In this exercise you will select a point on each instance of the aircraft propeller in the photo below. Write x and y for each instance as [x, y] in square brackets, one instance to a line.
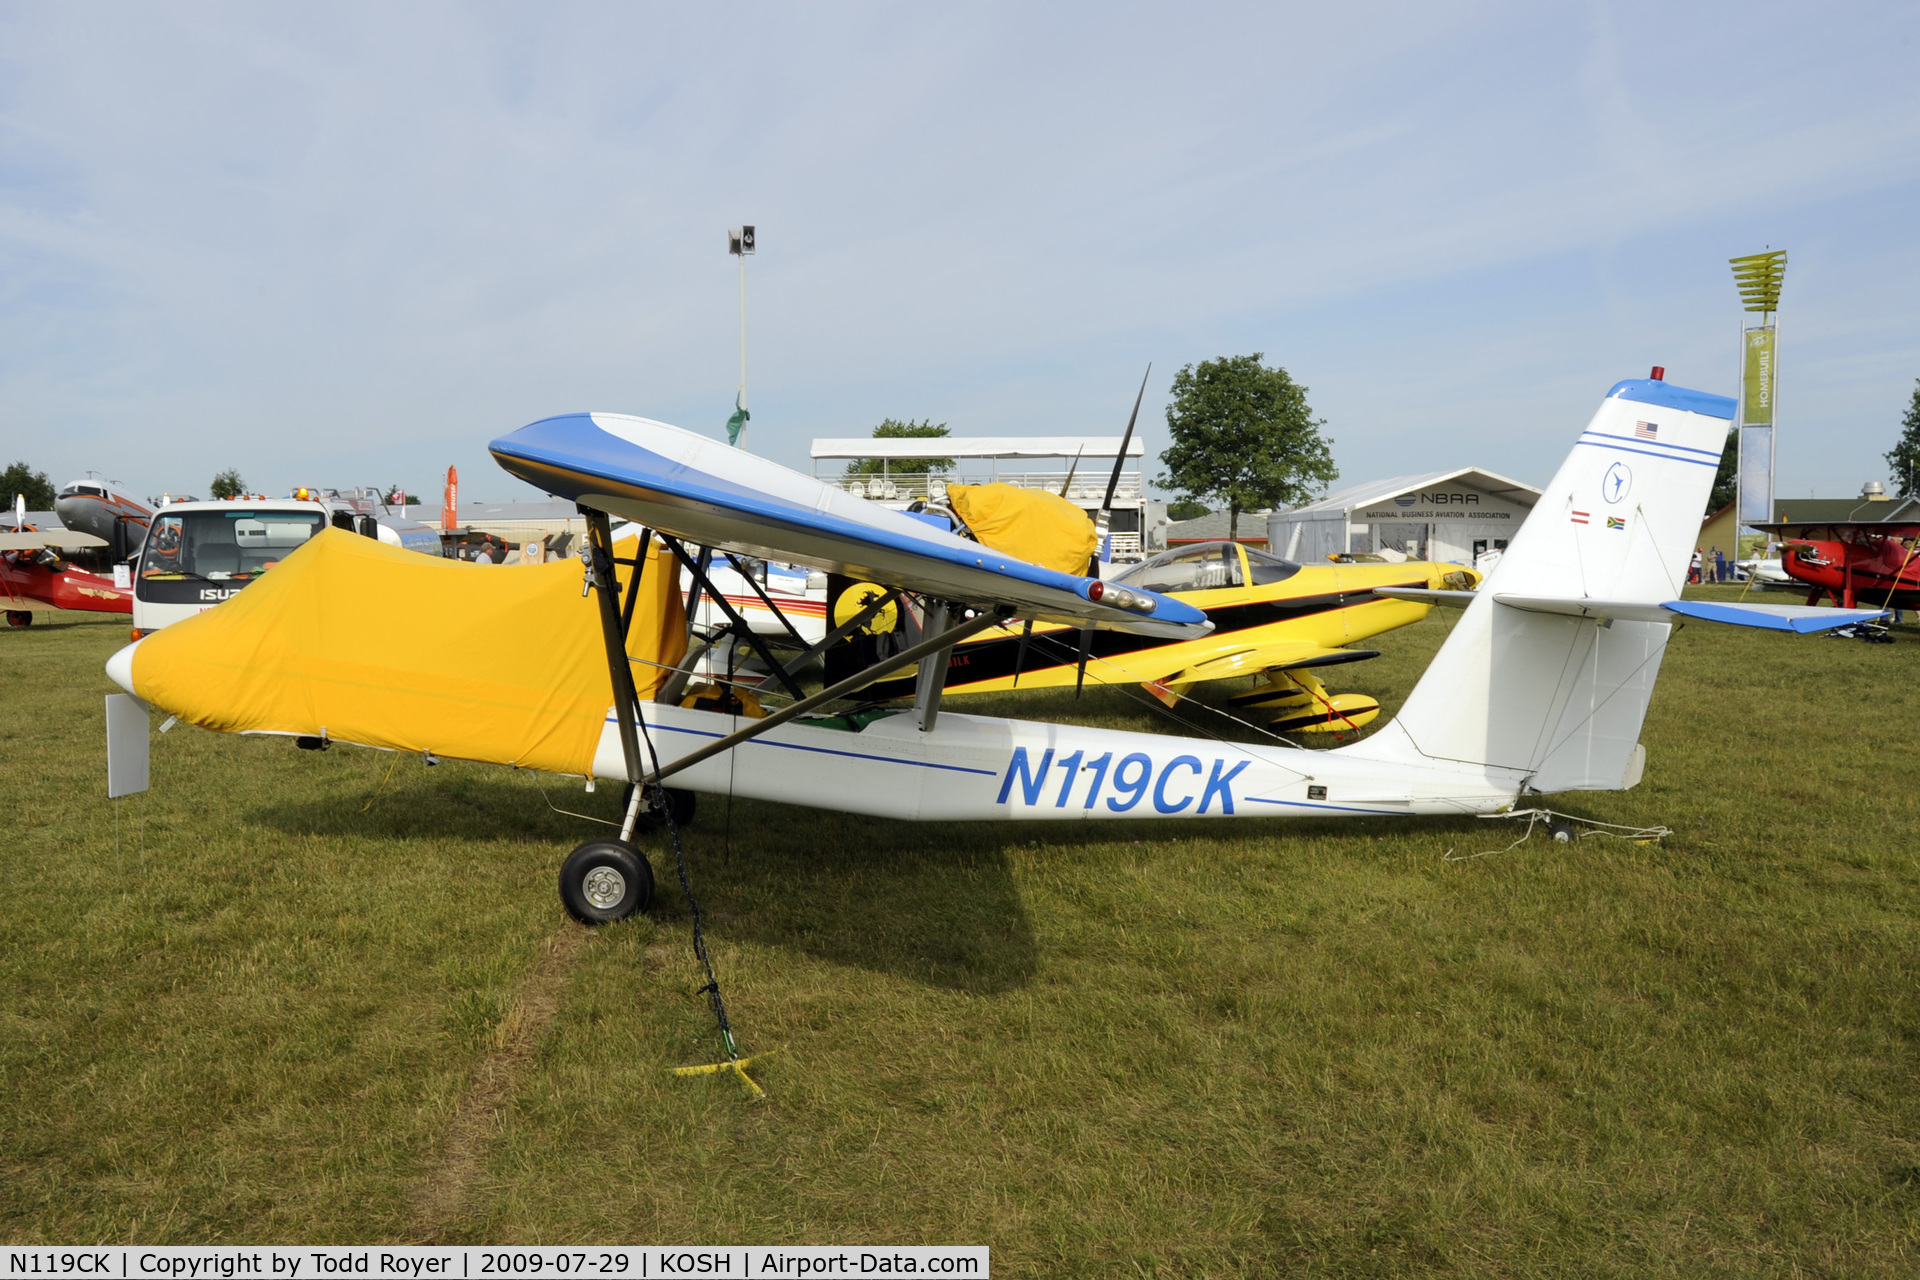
[1100, 531]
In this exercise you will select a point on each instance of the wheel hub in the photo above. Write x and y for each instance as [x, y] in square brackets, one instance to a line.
[604, 888]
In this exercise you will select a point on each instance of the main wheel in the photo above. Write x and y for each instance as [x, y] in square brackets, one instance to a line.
[19, 617]
[605, 880]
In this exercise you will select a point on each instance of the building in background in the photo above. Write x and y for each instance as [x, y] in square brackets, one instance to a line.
[1448, 515]
[1212, 527]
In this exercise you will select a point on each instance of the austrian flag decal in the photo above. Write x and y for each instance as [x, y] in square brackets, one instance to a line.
[1580, 517]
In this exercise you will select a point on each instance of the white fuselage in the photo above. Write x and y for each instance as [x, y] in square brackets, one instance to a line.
[973, 768]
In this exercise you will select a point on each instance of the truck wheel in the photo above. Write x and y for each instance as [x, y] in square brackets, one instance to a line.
[605, 880]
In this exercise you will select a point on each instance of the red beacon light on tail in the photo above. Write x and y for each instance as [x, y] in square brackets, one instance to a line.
[1659, 373]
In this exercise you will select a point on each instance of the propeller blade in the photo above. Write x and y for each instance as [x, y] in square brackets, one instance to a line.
[1120, 462]
[1068, 483]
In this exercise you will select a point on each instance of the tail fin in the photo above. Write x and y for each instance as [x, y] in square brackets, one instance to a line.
[1557, 700]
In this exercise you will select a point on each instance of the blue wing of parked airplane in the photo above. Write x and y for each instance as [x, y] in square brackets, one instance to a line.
[709, 493]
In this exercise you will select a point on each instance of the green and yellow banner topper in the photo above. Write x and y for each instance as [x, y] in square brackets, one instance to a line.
[1756, 384]
[1758, 277]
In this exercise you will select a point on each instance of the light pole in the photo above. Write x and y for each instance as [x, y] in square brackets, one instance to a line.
[1758, 277]
[740, 245]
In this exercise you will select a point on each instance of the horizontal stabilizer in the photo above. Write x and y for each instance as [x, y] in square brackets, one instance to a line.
[1773, 617]
[1427, 595]
[1582, 607]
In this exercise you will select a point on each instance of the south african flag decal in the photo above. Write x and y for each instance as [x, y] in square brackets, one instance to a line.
[1616, 522]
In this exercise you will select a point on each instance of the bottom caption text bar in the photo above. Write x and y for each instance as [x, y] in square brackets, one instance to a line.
[542, 1262]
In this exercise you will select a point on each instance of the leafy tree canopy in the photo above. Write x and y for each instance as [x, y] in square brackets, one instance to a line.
[1244, 438]
[23, 479]
[1904, 458]
[1726, 481]
[1186, 509]
[228, 484]
[894, 429]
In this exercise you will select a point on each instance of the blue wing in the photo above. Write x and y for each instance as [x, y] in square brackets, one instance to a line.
[696, 488]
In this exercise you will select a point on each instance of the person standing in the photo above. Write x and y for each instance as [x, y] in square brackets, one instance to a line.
[1693, 566]
[1719, 566]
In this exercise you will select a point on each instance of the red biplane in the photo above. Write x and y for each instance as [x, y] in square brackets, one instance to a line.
[34, 575]
[1851, 561]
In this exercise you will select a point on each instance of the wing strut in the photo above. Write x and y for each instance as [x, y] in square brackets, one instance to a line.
[880, 601]
[699, 571]
[852, 684]
[932, 680]
[638, 564]
[765, 598]
[626, 701]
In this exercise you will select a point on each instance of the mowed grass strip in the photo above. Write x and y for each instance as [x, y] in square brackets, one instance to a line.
[1207, 1048]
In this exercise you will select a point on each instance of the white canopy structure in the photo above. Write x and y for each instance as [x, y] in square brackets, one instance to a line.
[1444, 515]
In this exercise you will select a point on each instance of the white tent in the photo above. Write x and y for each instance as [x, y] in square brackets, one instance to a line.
[1445, 515]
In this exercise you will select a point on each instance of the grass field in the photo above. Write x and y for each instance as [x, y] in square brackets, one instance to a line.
[1126, 1049]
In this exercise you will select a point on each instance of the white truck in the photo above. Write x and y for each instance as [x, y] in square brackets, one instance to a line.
[197, 554]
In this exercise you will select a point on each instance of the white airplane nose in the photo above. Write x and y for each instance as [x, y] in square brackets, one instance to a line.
[120, 668]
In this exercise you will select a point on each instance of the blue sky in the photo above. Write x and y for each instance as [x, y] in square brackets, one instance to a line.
[351, 244]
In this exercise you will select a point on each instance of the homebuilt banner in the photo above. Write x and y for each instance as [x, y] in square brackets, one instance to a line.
[1757, 384]
[431, 1262]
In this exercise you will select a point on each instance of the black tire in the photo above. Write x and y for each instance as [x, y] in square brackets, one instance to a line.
[19, 617]
[605, 880]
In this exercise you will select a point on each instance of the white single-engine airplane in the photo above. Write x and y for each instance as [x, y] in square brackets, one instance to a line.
[1542, 686]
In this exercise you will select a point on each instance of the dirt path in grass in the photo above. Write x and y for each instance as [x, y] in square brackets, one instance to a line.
[442, 1194]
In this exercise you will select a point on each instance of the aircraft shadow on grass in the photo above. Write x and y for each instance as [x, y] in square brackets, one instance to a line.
[936, 905]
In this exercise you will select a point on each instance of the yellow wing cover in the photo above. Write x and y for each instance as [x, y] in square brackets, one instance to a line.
[370, 644]
[1041, 528]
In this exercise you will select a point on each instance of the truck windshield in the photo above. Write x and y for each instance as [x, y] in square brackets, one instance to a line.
[218, 545]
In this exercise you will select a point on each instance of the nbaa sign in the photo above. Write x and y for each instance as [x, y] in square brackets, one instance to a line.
[1442, 504]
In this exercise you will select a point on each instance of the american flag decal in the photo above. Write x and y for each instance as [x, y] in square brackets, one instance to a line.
[1646, 430]
[1580, 517]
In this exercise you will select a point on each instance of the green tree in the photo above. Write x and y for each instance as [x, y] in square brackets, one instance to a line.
[1244, 438]
[1726, 480]
[1186, 509]
[894, 429]
[228, 484]
[1904, 458]
[24, 480]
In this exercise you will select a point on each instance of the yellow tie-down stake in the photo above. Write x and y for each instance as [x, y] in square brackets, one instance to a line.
[736, 1065]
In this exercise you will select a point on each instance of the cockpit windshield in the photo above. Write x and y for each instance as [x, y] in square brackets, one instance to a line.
[1207, 566]
[219, 545]
[1268, 569]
